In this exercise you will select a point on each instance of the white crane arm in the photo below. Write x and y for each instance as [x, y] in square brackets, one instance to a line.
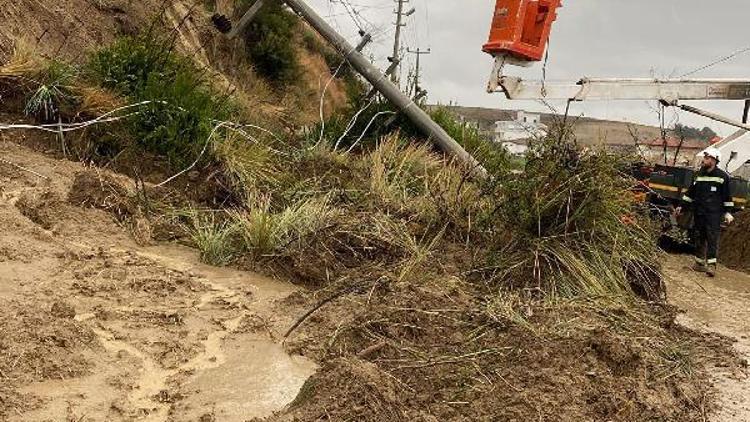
[668, 90]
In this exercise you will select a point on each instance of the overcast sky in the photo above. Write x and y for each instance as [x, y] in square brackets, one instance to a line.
[602, 38]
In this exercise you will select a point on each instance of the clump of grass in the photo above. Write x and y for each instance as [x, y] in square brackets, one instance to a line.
[265, 232]
[52, 92]
[399, 171]
[249, 165]
[215, 239]
[46, 85]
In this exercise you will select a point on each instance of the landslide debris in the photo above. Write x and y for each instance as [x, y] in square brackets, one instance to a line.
[431, 295]
[735, 243]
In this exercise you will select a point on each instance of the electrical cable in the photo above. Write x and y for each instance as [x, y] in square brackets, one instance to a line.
[352, 122]
[322, 101]
[368, 128]
[719, 61]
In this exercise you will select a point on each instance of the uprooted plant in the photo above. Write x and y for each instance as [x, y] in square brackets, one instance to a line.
[563, 226]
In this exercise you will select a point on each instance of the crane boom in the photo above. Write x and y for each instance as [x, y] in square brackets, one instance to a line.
[517, 38]
[667, 90]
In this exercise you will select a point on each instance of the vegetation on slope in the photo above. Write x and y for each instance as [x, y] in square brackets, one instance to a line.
[180, 108]
[268, 43]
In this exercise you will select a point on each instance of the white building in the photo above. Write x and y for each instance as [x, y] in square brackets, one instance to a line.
[515, 134]
[517, 148]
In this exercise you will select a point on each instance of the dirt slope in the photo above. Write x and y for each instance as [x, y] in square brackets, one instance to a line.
[720, 305]
[94, 327]
[735, 243]
[70, 30]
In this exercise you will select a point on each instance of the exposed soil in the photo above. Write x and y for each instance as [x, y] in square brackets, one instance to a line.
[735, 243]
[95, 327]
[69, 29]
[430, 353]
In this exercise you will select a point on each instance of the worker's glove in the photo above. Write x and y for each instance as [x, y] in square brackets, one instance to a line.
[728, 218]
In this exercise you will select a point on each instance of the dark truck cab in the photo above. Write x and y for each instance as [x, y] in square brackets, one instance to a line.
[666, 185]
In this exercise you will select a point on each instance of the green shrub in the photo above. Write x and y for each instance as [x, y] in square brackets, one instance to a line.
[493, 156]
[269, 43]
[52, 93]
[182, 109]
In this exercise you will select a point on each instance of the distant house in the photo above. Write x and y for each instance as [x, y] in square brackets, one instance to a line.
[613, 135]
[525, 126]
[514, 135]
[678, 152]
[518, 147]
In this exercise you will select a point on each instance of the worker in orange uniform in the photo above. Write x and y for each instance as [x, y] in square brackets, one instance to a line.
[711, 202]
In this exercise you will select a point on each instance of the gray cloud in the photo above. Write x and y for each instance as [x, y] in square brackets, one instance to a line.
[607, 38]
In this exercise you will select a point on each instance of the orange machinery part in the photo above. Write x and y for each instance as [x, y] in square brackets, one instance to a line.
[521, 28]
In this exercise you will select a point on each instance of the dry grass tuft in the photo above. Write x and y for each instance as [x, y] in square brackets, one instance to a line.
[213, 237]
[399, 171]
[249, 164]
[25, 61]
[95, 101]
[265, 232]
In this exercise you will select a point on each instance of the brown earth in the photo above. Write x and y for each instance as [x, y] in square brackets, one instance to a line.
[428, 353]
[735, 243]
[94, 327]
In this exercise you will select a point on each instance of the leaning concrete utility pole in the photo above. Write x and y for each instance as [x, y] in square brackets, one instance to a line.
[389, 90]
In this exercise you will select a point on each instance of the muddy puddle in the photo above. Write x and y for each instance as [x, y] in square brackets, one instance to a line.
[255, 379]
[237, 376]
[233, 373]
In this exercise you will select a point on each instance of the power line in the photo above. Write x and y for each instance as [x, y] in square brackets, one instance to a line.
[719, 61]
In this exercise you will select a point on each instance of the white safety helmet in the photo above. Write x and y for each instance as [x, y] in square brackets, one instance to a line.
[713, 152]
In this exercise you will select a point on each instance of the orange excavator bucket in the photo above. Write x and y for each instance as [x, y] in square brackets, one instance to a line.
[521, 28]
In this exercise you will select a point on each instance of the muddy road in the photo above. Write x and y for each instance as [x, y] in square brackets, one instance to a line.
[94, 327]
[721, 305]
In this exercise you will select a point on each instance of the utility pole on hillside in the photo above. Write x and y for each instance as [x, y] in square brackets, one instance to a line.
[396, 57]
[419, 53]
[380, 82]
